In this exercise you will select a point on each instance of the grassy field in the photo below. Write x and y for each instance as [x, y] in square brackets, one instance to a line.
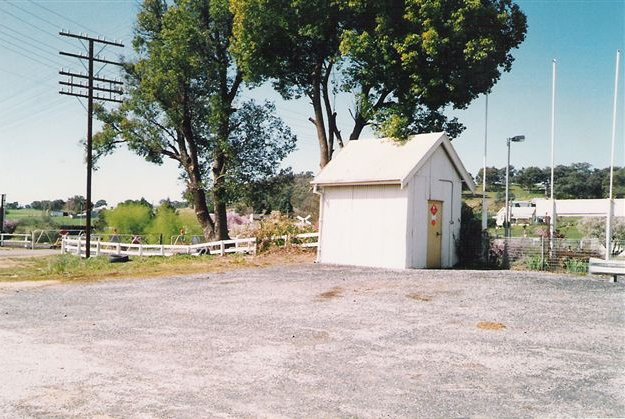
[566, 226]
[32, 216]
[71, 268]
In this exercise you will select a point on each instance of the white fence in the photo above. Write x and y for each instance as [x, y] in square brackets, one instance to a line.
[78, 245]
[20, 240]
[299, 240]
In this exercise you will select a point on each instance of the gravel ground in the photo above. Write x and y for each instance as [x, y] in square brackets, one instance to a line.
[315, 341]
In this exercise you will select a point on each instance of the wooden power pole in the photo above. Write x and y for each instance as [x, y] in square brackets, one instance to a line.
[111, 90]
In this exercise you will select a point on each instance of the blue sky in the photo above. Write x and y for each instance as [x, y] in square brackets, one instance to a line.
[40, 130]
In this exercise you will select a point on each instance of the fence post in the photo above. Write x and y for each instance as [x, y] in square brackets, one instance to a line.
[222, 248]
[78, 252]
[542, 253]
[97, 247]
[32, 240]
[162, 247]
[118, 248]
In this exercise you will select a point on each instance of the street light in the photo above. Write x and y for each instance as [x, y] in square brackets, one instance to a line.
[515, 139]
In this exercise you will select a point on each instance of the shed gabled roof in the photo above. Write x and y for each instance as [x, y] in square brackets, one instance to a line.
[386, 161]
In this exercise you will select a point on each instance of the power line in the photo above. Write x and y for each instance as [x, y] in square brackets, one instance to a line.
[63, 17]
[22, 92]
[54, 25]
[47, 108]
[29, 44]
[21, 53]
[36, 27]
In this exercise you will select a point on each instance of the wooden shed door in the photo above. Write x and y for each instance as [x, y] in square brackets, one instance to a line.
[435, 236]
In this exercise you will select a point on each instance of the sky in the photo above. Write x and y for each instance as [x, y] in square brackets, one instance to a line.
[41, 156]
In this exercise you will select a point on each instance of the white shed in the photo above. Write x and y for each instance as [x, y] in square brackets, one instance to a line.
[392, 205]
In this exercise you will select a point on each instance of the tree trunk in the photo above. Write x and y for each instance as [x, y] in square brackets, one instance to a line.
[324, 155]
[190, 161]
[359, 124]
[202, 213]
[219, 197]
[221, 218]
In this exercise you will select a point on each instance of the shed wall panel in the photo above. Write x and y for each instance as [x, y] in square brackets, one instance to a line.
[442, 183]
[416, 240]
[364, 226]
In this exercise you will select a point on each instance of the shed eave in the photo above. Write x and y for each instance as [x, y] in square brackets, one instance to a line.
[359, 183]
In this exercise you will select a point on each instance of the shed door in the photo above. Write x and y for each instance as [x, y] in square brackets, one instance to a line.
[435, 236]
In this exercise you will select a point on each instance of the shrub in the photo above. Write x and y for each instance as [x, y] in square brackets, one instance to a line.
[166, 223]
[469, 245]
[10, 226]
[272, 229]
[535, 263]
[129, 218]
[576, 266]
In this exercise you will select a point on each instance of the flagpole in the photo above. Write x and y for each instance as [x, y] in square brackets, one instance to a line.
[608, 229]
[484, 200]
[552, 224]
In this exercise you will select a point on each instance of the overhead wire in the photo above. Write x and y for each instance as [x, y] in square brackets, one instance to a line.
[65, 18]
[45, 84]
[37, 28]
[18, 52]
[38, 48]
[56, 104]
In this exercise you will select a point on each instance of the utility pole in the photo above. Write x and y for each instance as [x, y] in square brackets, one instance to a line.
[112, 87]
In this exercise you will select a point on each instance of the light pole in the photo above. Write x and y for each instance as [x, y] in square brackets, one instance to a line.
[515, 139]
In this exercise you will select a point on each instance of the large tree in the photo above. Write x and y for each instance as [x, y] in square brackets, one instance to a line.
[182, 105]
[404, 60]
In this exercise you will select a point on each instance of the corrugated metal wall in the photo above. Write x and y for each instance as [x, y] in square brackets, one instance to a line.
[364, 226]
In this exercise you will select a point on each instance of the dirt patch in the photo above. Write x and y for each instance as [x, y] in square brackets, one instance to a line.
[419, 297]
[10, 263]
[335, 292]
[491, 326]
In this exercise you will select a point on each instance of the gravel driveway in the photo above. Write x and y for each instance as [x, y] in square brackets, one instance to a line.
[316, 341]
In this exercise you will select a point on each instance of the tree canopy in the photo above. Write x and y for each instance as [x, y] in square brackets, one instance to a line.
[182, 105]
[404, 60]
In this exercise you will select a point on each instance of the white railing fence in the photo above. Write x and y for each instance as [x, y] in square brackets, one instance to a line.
[299, 240]
[77, 246]
[13, 240]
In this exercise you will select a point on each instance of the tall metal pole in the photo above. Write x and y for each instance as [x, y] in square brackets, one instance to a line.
[608, 229]
[484, 200]
[552, 224]
[2, 213]
[89, 152]
[507, 222]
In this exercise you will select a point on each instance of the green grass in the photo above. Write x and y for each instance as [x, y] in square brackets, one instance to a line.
[39, 220]
[566, 226]
[68, 268]
[13, 214]
[72, 268]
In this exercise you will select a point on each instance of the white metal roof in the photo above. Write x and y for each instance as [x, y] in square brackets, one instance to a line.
[387, 161]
